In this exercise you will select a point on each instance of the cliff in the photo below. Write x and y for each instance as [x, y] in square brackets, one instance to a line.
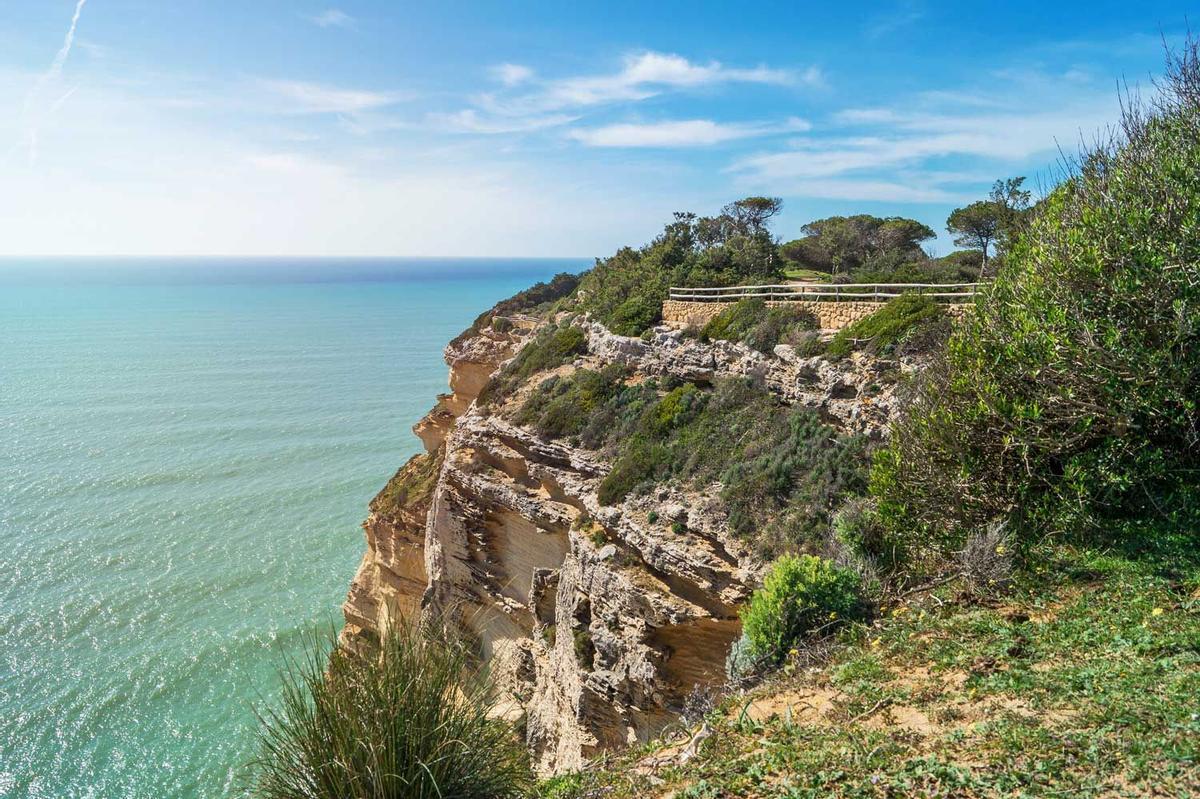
[598, 620]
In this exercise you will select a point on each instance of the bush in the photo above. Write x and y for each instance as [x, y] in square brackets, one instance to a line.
[986, 560]
[856, 527]
[553, 347]
[415, 720]
[536, 298]
[626, 290]
[801, 595]
[1067, 402]
[561, 407]
[783, 484]
[751, 322]
[635, 315]
[882, 330]
[781, 468]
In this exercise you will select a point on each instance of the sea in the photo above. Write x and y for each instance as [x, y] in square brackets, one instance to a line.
[187, 449]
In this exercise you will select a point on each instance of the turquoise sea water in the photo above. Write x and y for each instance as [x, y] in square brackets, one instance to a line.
[186, 452]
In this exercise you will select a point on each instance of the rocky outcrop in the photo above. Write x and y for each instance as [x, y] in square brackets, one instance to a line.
[857, 394]
[597, 620]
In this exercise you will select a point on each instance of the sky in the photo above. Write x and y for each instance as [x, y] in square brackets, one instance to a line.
[365, 127]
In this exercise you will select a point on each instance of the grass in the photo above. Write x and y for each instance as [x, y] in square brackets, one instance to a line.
[808, 274]
[1083, 681]
[416, 721]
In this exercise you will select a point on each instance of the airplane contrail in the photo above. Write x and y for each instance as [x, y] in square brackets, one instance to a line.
[55, 70]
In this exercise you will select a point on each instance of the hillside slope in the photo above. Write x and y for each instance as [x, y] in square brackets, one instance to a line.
[597, 618]
[1084, 680]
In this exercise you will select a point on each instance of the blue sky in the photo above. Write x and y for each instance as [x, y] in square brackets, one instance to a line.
[385, 128]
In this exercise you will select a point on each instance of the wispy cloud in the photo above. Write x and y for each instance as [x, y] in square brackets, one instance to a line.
[332, 18]
[681, 133]
[470, 121]
[895, 152]
[316, 98]
[640, 77]
[510, 74]
[648, 74]
[904, 14]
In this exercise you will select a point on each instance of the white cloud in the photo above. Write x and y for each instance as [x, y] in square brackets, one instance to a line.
[899, 153]
[469, 121]
[647, 74]
[679, 133]
[511, 74]
[332, 18]
[315, 98]
[641, 76]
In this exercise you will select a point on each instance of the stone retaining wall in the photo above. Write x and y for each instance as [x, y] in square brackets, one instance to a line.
[832, 315]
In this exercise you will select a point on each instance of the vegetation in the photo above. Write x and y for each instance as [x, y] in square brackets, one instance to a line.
[781, 468]
[906, 318]
[584, 406]
[751, 322]
[1082, 683]
[1068, 401]
[411, 486]
[554, 346]
[976, 225]
[535, 299]
[841, 244]
[626, 290]
[412, 722]
[997, 220]
[801, 595]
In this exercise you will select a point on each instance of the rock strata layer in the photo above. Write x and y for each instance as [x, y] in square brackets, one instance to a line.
[597, 622]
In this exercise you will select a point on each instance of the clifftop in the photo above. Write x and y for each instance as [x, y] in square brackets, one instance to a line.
[597, 618]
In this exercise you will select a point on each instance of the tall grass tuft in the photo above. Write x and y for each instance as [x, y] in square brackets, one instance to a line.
[413, 721]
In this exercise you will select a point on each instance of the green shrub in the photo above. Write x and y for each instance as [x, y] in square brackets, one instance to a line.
[635, 315]
[882, 330]
[782, 469]
[676, 409]
[626, 290]
[782, 488]
[652, 516]
[856, 526]
[751, 322]
[413, 720]
[537, 298]
[642, 462]
[806, 343]
[1069, 399]
[585, 650]
[553, 347]
[562, 406]
[801, 595]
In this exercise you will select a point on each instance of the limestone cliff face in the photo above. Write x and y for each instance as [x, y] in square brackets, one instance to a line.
[597, 621]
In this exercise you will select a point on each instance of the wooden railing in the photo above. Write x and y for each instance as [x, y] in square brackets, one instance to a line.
[830, 292]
